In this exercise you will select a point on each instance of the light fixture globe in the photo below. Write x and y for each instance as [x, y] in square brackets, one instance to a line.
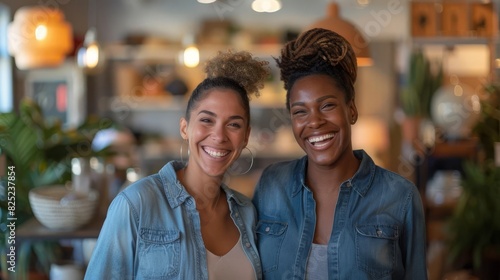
[454, 110]
[39, 37]
[347, 30]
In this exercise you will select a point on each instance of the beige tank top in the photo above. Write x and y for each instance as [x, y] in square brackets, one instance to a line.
[233, 265]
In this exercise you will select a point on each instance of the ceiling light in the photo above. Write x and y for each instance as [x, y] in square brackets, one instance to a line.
[190, 56]
[90, 55]
[348, 31]
[266, 6]
[39, 37]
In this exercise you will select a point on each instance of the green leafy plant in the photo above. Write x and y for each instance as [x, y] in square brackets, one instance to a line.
[487, 128]
[423, 81]
[474, 228]
[38, 153]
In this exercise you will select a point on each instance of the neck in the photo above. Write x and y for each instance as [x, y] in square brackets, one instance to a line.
[329, 178]
[205, 190]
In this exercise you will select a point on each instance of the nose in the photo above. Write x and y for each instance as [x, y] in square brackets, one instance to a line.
[219, 133]
[315, 119]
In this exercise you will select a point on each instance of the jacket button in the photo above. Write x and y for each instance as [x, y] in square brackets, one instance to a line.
[268, 229]
[247, 245]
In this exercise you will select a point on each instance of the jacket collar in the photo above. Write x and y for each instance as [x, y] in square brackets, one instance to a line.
[360, 182]
[176, 193]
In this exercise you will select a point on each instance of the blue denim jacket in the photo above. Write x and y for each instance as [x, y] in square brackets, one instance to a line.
[378, 231]
[152, 231]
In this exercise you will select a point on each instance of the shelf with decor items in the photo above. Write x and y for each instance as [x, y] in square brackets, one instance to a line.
[463, 35]
[457, 23]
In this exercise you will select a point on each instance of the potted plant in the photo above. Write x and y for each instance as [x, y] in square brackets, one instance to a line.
[423, 80]
[38, 153]
[474, 228]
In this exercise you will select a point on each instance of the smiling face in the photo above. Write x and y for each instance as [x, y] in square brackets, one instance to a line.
[217, 131]
[321, 119]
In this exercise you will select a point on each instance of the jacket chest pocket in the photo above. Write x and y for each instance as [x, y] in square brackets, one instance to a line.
[375, 249]
[270, 235]
[159, 253]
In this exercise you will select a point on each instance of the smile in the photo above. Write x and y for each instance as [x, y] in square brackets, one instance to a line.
[318, 140]
[215, 153]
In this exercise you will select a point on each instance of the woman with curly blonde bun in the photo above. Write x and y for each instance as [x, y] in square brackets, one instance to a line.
[184, 222]
[333, 214]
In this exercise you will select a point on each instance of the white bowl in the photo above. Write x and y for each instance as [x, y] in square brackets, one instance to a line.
[58, 207]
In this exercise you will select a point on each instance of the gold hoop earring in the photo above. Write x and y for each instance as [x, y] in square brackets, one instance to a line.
[235, 166]
[188, 152]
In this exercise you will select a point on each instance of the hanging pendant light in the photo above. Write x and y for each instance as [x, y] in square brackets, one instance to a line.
[190, 55]
[266, 6]
[348, 31]
[39, 37]
[90, 56]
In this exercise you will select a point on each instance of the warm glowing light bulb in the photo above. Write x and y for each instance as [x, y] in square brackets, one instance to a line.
[41, 32]
[191, 56]
[92, 56]
[89, 56]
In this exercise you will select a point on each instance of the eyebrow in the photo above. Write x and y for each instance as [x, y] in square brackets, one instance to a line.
[321, 99]
[235, 117]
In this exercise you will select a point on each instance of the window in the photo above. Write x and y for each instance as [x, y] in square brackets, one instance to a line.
[6, 93]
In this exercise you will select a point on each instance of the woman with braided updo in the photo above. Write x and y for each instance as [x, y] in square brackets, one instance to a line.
[333, 214]
[184, 222]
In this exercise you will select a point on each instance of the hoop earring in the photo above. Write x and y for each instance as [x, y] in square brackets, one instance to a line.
[251, 164]
[188, 152]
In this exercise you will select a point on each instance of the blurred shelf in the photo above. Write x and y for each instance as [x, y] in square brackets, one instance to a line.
[171, 52]
[452, 41]
[33, 230]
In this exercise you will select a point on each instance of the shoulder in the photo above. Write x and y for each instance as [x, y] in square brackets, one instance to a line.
[280, 179]
[145, 189]
[284, 169]
[394, 179]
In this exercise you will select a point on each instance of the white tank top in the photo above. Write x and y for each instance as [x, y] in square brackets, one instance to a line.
[233, 265]
[317, 263]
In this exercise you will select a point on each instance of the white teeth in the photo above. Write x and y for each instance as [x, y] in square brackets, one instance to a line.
[216, 154]
[320, 138]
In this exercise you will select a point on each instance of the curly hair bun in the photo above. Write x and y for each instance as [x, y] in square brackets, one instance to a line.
[316, 47]
[241, 66]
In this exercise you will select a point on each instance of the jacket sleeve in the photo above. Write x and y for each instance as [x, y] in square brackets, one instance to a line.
[414, 238]
[114, 254]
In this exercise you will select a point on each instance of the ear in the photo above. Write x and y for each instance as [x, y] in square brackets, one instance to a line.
[353, 112]
[183, 124]
[247, 136]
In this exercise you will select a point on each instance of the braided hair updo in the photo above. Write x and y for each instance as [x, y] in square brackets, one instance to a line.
[237, 71]
[319, 51]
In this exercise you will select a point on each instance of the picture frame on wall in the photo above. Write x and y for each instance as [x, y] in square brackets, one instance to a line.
[60, 93]
[483, 19]
[455, 19]
[424, 21]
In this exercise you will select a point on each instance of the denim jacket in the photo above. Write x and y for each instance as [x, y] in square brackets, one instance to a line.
[378, 231]
[152, 231]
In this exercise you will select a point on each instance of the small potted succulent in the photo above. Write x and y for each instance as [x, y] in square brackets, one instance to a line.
[423, 80]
